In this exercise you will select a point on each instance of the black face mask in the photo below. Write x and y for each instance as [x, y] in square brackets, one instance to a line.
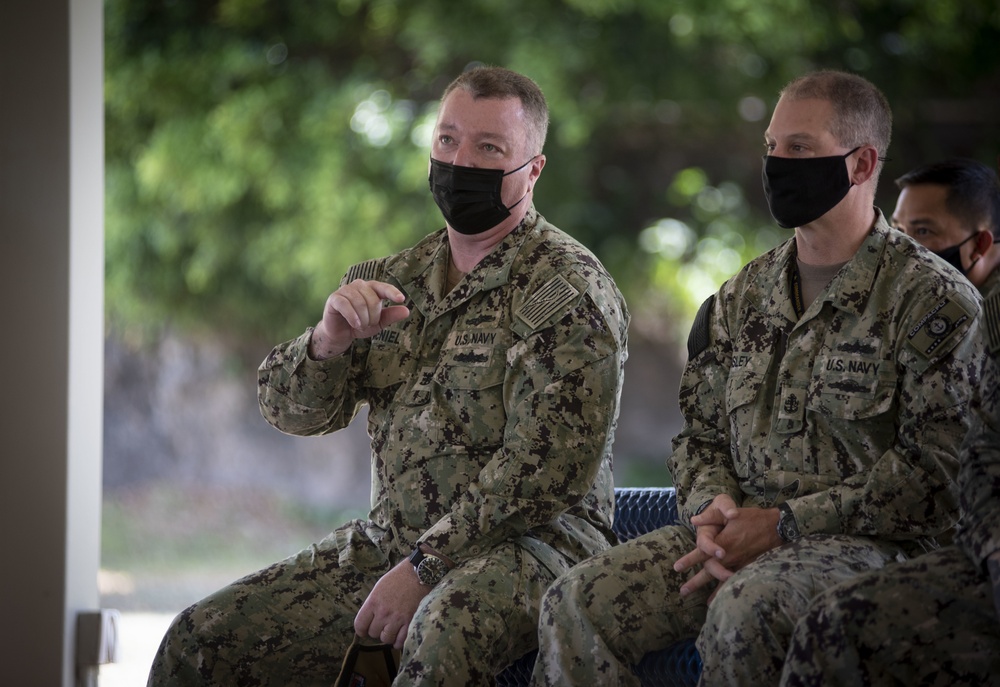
[801, 190]
[953, 256]
[469, 197]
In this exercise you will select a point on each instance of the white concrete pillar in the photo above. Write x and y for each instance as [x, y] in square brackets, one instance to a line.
[51, 331]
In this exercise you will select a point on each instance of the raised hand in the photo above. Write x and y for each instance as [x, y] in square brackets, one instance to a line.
[355, 311]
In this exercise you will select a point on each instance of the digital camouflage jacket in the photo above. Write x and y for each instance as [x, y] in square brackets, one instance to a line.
[492, 408]
[852, 414]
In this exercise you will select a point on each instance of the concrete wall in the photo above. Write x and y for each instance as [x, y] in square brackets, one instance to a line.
[51, 322]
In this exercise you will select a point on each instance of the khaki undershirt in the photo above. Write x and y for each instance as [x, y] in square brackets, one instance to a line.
[454, 276]
[815, 278]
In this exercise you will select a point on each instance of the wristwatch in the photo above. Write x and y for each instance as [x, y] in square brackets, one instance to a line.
[430, 569]
[788, 529]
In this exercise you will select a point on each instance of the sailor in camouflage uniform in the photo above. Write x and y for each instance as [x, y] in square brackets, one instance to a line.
[490, 356]
[952, 208]
[825, 399]
[934, 620]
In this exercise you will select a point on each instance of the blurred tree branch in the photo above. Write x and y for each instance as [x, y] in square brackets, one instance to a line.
[257, 148]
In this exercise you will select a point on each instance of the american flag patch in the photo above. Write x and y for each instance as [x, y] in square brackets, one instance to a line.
[991, 312]
[369, 270]
[548, 300]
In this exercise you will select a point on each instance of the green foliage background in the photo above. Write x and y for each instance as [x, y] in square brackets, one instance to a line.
[257, 148]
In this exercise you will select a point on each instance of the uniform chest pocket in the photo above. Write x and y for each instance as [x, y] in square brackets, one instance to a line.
[473, 358]
[473, 367]
[746, 375]
[388, 366]
[745, 423]
[852, 387]
[741, 391]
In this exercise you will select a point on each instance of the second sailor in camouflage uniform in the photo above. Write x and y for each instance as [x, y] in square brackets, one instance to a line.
[490, 357]
[952, 208]
[934, 620]
[823, 417]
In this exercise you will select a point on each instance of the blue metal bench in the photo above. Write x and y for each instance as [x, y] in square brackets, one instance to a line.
[637, 511]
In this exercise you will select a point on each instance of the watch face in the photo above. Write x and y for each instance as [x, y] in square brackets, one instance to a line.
[789, 529]
[430, 570]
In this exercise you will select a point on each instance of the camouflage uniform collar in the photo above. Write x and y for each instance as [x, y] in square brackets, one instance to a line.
[848, 290]
[494, 269]
[427, 263]
[769, 291]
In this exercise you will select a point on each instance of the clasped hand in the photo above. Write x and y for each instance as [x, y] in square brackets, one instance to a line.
[387, 612]
[355, 311]
[727, 538]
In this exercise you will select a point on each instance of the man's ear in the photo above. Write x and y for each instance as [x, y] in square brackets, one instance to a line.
[984, 241]
[864, 169]
[535, 170]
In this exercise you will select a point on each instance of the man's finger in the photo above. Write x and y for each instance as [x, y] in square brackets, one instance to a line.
[363, 621]
[400, 637]
[699, 580]
[386, 292]
[392, 314]
[717, 570]
[705, 541]
[689, 560]
[351, 306]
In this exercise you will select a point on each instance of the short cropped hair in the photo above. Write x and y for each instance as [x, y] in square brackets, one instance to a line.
[497, 82]
[973, 190]
[861, 113]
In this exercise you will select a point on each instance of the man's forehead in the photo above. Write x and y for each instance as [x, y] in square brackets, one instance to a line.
[806, 119]
[924, 192]
[461, 101]
[925, 205]
[487, 119]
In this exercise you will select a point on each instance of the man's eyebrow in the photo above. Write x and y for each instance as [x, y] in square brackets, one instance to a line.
[794, 138]
[490, 136]
[921, 222]
[478, 135]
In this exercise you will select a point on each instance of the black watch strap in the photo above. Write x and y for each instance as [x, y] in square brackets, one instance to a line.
[429, 568]
[788, 528]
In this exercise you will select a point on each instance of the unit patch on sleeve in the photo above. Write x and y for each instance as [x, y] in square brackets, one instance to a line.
[938, 326]
[555, 295]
